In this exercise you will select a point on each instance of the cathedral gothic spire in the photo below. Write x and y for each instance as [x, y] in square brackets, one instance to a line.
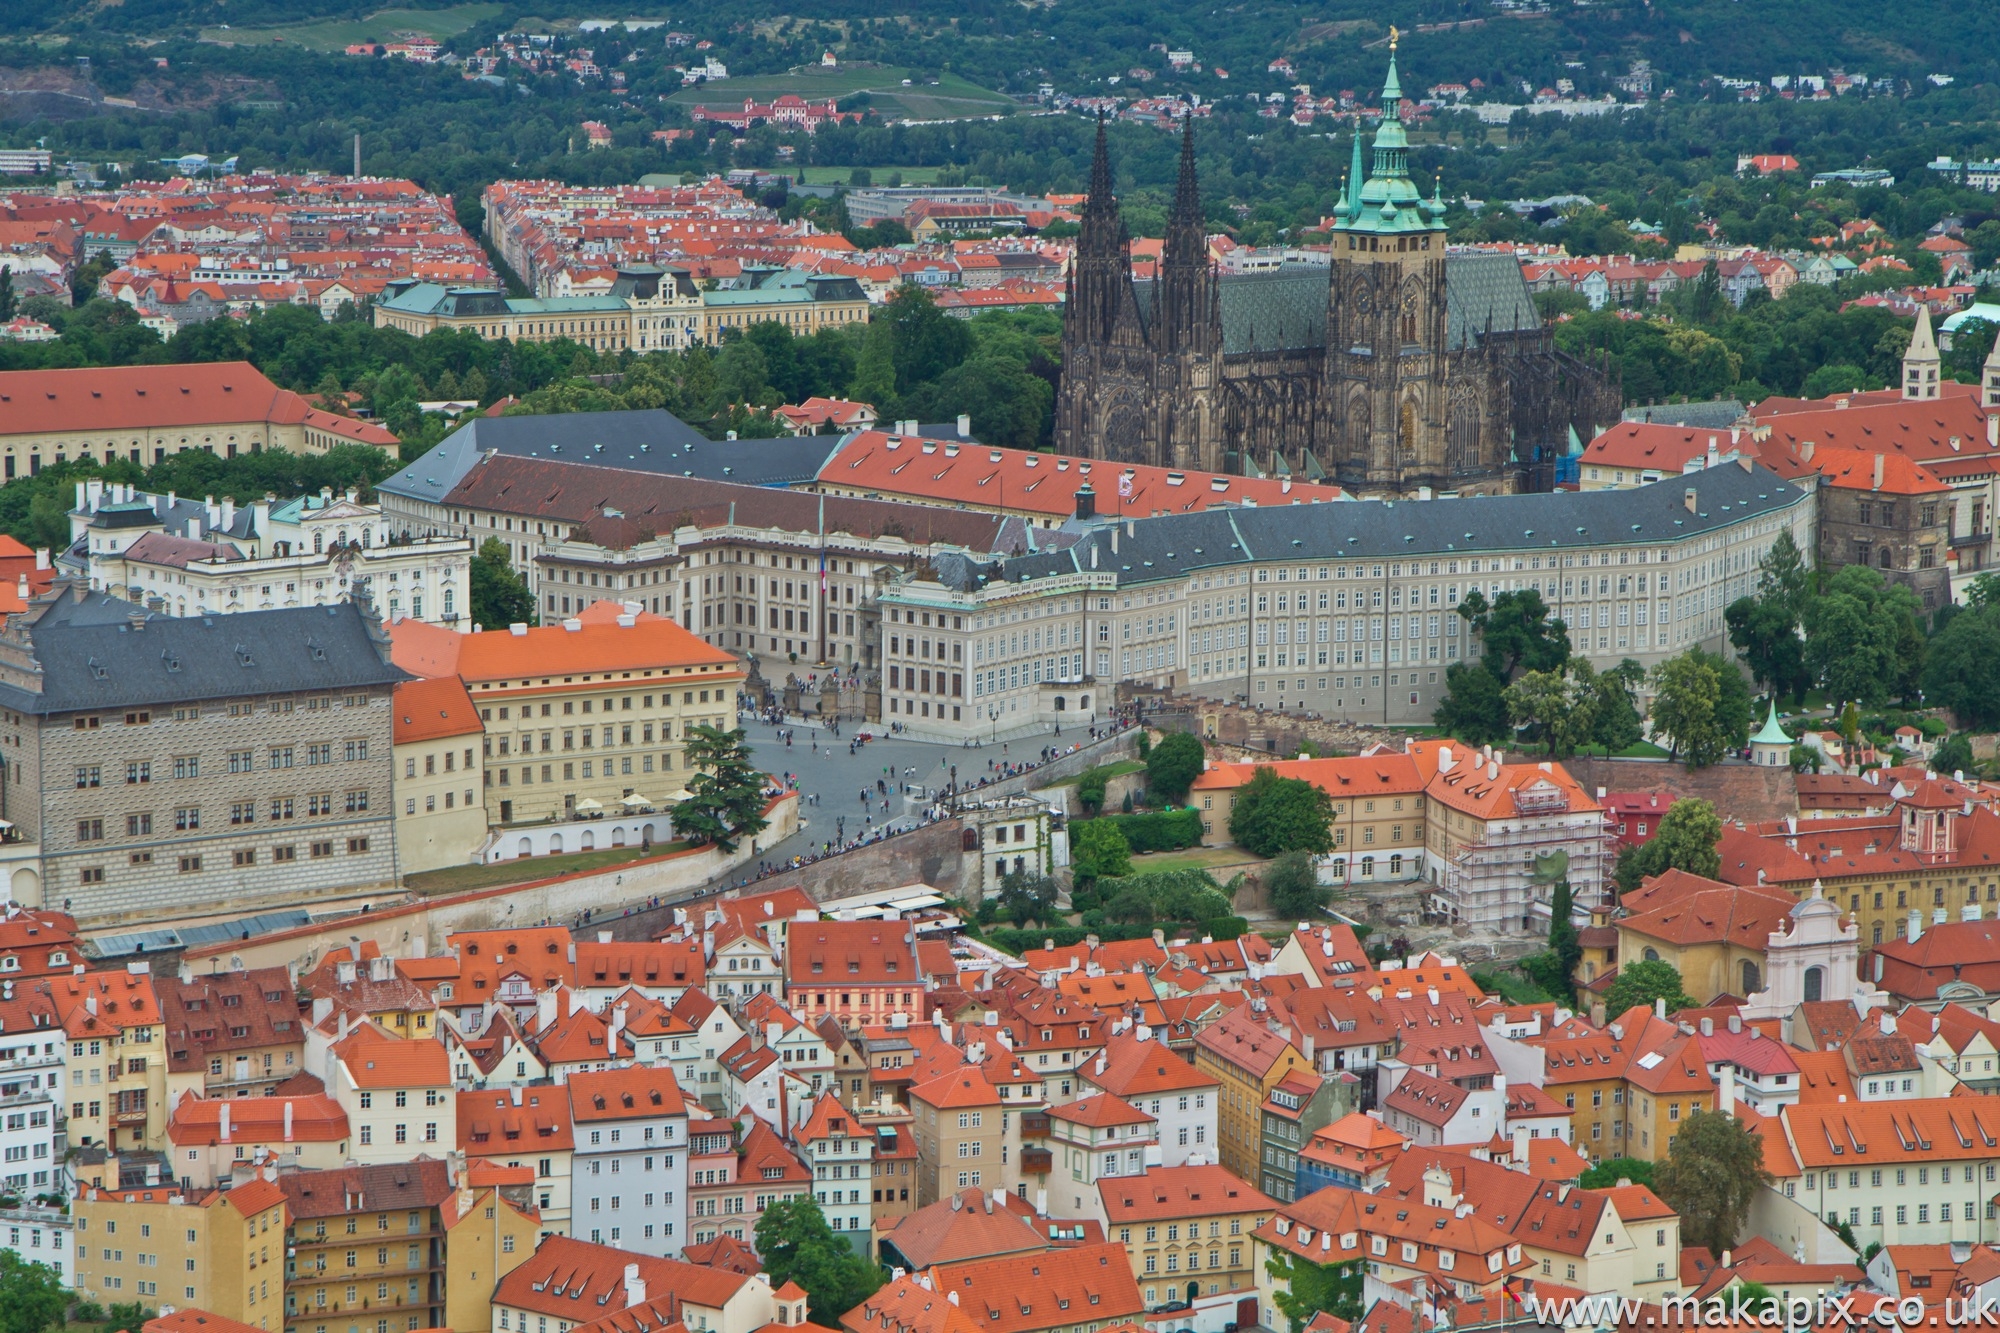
[1186, 309]
[1101, 272]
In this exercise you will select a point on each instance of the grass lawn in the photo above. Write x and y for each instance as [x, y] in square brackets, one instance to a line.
[952, 98]
[1110, 771]
[526, 869]
[384, 25]
[1216, 860]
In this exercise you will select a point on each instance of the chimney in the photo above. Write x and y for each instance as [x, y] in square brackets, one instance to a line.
[1878, 472]
[1041, 1203]
[1916, 926]
[1707, 1027]
[635, 1287]
[964, 426]
[1725, 1090]
[514, 1094]
[225, 1120]
[41, 557]
[288, 1118]
[1660, 1006]
[1736, 1022]
[1888, 1024]
[1688, 499]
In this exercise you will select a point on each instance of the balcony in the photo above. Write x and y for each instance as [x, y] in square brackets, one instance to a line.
[129, 1118]
[1036, 1161]
[1034, 1125]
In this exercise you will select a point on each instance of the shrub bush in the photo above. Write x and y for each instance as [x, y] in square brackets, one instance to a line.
[1160, 831]
[1225, 927]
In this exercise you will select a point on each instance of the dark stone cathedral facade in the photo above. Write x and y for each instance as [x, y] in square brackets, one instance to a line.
[1396, 367]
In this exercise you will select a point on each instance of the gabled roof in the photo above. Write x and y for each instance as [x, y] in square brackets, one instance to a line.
[967, 1087]
[492, 1124]
[568, 1279]
[1429, 1100]
[428, 710]
[851, 953]
[1171, 1193]
[315, 1118]
[1135, 1068]
[373, 1059]
[962, 1227]
[907, 1304]
[1023, 1293]
[1100, 1112]
[632, 1093]
[423, 1182]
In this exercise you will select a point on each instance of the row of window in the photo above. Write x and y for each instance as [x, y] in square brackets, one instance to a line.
[239, 858]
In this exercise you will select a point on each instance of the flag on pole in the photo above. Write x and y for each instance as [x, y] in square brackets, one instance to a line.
[822, 573]
[1125, 485]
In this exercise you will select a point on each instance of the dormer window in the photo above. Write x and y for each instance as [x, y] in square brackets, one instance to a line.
[10, 964]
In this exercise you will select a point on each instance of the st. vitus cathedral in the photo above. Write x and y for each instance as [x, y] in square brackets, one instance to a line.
[1396, 367]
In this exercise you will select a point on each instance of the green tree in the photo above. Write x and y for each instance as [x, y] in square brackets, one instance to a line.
[725, 797]
[499, 598]
[1563, 940]
[1960, 671]
[32, 1297]
[1713, 1171]
[1274, 815]
[1685, 693]
[1098, 850]
[83, 281]
[9, 304]
[1562, 707]
[1292, 881]
[1028, 899]
[128, 1318]
[1607, 1174]
[1685, 840]
[1474, 707]
[1954, 755]
[1769, 643]
[1516, 633]
[1641, 984]
[924, 340]
[1617, 724]
[1863, 637]
[1173, 766]
[797, 1245]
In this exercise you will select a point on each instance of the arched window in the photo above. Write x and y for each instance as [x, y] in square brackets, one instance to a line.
[1815, 984]
[1652, 955]
[1752, 982]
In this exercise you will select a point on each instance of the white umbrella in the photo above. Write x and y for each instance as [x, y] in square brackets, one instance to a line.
[588, 804]
[633, 801]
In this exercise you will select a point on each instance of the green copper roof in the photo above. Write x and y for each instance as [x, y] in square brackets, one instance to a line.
[1389, 202]
[1772, 733]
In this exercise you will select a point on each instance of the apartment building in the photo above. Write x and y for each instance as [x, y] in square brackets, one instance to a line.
[737, 1169]
[396, 1093]
[839, 1149]
[231, 1034]
[631, 1159]
[590, 710]
[491, 1227]
[141, 414]
[958, 1123]
[1211, 603]
[367, 1242]
[117, 1058]
[34, 1051]
[860, 972]
[211, 1140]
[1249, 1059]
[1095, 1138]
[1910, 1172]
[219, 1250]
[167, 766]
[1456, 1252]
[440, 775]
[1188, 1229]
[1183, 1101]
[531, 1129]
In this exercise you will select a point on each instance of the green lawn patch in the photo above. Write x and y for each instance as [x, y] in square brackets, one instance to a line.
[1215, 860]
[526, 869]
[384, 25]
[1109, 771]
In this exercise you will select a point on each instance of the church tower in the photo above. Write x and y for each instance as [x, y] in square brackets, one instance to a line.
[1921, 363]
[1101, 271]
[1386, 352]
[1186, 331]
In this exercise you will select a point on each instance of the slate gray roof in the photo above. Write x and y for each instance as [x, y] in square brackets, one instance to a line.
[1284, 309]
[1718, 414]
[653, 441]
[93, 656]
[1175, 545]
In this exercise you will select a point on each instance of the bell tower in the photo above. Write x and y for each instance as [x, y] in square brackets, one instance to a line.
[1386, 352]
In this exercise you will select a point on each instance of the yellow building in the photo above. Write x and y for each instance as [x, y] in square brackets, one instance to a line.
[368, 1242]
[646, 310]
[581, 715]
[1714, 934]
[1248, 1059]
[223, 1252]
[1187, 1228]
[440, 767]
[117, 1058]
[1378, 810]
[490, 1227]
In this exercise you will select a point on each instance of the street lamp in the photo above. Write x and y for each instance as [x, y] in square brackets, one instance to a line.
[954, 788]
[993, 716]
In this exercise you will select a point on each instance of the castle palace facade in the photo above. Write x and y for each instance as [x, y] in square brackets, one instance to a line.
[1396, 367]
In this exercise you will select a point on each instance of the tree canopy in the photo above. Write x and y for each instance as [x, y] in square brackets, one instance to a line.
[1274, 815]
[1714, 1169]
[797, 1245]
[1642, 983]
[725, 797]
[1685, 840]
[1173, 765]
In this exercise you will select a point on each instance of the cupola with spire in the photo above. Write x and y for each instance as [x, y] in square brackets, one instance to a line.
[1386, 202]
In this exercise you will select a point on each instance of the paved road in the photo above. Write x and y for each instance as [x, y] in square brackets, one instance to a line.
[825, 769]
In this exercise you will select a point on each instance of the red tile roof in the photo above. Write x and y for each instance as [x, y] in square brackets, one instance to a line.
[1172, 1193]
[851, 953]
[1059, 1288]
[635, 1092]
[376, 1060]
[428, 710]
[315, 1118]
